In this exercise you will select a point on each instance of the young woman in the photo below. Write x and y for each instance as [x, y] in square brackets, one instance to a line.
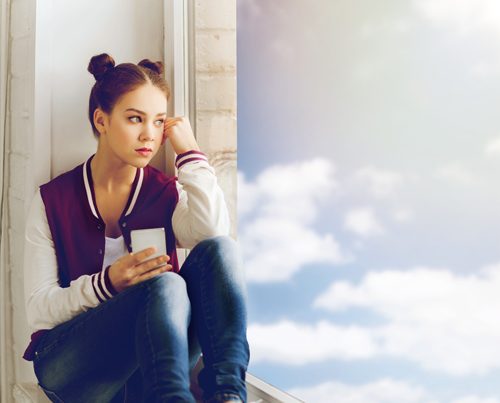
[110, 326]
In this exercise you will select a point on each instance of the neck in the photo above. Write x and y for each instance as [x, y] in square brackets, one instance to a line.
[109, 173]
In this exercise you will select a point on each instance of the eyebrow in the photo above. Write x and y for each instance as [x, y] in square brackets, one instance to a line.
[143, 113]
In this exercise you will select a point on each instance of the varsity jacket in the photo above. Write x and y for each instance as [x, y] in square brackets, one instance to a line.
[65, 234]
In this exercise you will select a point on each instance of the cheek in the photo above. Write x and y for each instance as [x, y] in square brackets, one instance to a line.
[159, 136]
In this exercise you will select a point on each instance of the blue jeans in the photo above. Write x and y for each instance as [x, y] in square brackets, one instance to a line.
[150, 336]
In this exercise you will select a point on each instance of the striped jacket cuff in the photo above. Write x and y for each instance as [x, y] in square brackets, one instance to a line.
[102, 285]
[190, 156]
[107, 281]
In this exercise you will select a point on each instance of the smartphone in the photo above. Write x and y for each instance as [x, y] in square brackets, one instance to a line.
[147, 238]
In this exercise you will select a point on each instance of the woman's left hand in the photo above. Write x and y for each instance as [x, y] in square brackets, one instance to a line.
[180, 134]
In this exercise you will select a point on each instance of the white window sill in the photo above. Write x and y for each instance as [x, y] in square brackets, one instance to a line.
[258, 391]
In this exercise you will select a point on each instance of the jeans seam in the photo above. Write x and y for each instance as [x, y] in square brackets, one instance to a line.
[155, 374]
[203, 301]
[206, 312]
[218, 396]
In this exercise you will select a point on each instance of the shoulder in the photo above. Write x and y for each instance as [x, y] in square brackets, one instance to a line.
[64, 180]
[158, 179]
[156, 186]
[64, 189]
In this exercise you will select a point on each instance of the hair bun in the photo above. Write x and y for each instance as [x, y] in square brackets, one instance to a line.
[100, 64]
[157, 67]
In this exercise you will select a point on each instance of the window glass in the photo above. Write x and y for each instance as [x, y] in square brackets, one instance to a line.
[368, 197]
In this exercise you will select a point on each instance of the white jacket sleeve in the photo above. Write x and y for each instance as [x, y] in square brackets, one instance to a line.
[47, 303]
[201, 211]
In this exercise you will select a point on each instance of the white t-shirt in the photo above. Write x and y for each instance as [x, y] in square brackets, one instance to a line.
[115, 249]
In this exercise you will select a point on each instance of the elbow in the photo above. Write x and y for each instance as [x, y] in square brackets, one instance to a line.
[211, 231]
[218, 232]
[32, 317]
[219, 225]
[220, 228]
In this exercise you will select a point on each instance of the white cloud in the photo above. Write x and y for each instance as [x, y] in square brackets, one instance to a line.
[463, 16]
[467, 17]
[248, 195]
[444, 322]
[296, 344]
[493, 148]
[456, 173]
[485, 69]
[476, 399]
[276, 213]
[291, 190]
[382, 391]
[276, 248]
[362, 221]
[403, 215]
[382, 183]
[441, 321]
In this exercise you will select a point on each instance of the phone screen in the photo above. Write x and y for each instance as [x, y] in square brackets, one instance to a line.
[146, 238]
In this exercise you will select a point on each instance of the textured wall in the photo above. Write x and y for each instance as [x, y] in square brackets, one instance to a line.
[215, 55]
[19, 157]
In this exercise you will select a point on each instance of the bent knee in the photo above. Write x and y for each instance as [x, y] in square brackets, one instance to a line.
[168, 283]
[222, 255]
[219, 243]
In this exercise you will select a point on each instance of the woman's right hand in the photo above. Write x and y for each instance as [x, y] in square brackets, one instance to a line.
[129, 269]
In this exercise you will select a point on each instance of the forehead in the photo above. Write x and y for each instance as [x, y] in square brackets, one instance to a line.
[147, 98]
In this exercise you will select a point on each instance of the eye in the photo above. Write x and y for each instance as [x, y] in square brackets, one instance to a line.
[135, 119]
[159, 122]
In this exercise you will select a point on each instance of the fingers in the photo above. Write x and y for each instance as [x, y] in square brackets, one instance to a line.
[131, 269]
[171, 122]
[164, 140]
[140, 256]
[151, 264]
[153, 273]
[138, 265]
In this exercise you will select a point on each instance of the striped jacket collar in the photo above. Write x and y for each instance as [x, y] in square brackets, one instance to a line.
[89, 190]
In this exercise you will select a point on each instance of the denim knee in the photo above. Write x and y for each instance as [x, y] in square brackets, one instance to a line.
[168, 287]
[219, 252]
[219, 243]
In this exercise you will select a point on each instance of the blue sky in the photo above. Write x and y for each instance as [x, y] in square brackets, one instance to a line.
[368, 160]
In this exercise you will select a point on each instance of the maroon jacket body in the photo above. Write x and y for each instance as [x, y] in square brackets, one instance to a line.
[78, 231]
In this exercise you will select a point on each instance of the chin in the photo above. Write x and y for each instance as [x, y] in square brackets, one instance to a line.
[141, 164]
[137, 162]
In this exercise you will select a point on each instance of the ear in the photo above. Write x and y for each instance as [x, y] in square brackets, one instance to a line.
[100, 120]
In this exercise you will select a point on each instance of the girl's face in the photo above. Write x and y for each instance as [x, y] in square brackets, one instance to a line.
[133, 132]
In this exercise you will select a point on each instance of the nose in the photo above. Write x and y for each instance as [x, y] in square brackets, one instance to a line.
[147, 134]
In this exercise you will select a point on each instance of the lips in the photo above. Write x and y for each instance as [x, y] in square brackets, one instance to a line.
[145, 152]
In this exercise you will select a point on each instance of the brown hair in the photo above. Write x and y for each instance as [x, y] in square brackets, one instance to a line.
[113, 82]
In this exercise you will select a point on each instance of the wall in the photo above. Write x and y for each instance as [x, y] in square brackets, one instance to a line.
[215, 37]
[20, 183]
[128, 30]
